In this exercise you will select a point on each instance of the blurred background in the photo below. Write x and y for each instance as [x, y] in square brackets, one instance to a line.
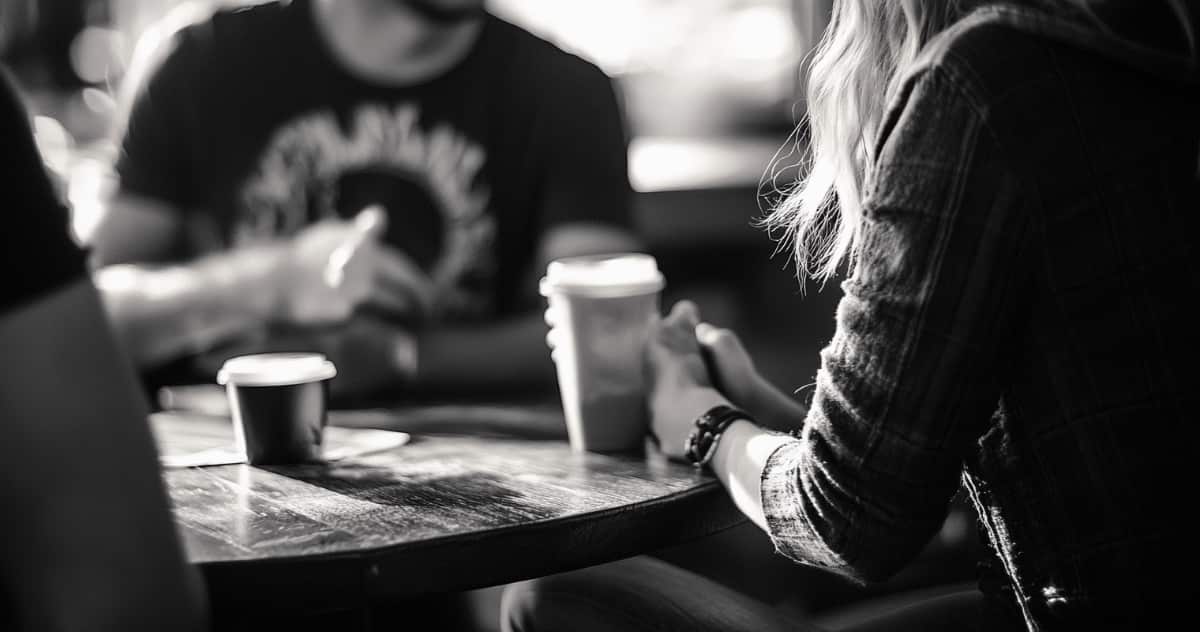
[710, 86]
[712, 92]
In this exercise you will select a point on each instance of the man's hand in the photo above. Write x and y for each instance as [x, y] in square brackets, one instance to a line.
[373, 358]
[331, 268]
[680, 388]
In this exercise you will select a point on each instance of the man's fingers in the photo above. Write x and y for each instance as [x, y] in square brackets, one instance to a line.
[395, 271]
[368, 227]
[371, 222]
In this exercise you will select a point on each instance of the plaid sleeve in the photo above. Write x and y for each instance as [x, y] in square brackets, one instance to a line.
[911, 375]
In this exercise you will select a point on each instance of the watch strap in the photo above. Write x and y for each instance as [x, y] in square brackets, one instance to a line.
[701, 443]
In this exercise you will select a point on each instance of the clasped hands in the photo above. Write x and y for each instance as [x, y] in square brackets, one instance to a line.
[693, 366]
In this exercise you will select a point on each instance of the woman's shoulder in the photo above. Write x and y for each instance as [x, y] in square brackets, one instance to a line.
[990, 54]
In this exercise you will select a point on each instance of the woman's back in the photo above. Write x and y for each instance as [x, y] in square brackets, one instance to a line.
[1080, 477]
[1021, 245]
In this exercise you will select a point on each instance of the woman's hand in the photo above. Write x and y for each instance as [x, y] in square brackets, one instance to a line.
[734, 374]
[680, 388]
[732, 370]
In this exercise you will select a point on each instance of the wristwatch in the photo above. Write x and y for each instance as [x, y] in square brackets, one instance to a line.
[701, 444]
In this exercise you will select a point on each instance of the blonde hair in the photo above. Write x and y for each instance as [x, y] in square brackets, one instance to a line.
[853, 73]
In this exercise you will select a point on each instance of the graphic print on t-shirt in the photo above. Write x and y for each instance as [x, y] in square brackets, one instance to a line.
[428, 181]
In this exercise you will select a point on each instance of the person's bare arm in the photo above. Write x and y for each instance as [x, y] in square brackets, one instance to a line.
[136, 229]
[162, 312]
[165, 307]
[374, 356]
[378, 358]
[511, 353]
[739, 462]
[89, 543]
[585, 208]
[504, 355]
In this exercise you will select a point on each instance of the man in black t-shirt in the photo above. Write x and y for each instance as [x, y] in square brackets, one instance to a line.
[445, 154]
[86, 538]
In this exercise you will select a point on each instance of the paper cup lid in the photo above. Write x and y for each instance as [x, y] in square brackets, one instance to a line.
[603, 275]
[276, 369]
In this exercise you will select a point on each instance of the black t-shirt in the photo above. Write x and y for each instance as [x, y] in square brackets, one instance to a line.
[37, 254]
[252, 129]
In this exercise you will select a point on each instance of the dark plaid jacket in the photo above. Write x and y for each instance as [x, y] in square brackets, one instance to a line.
[1017, 322]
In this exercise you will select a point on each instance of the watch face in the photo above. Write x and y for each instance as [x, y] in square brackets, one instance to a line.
[691, 447]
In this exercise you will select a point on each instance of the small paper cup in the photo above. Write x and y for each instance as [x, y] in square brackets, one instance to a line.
[278, 401]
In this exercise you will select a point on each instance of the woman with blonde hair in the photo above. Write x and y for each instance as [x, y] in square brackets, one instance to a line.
[1014, 191]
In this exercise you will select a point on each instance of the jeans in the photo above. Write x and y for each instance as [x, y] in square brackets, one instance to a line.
[645, 594]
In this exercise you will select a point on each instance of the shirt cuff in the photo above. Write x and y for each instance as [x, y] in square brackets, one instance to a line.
[784, 501]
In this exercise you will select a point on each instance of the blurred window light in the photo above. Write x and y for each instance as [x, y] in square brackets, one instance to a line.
[761, 33]
[686, 67]
[97, 54]
[633, 35]
[90, 187]
[674, 164]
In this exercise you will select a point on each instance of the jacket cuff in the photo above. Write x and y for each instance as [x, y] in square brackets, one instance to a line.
[784, 503]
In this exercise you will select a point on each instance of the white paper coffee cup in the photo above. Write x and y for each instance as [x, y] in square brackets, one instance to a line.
[604, 307]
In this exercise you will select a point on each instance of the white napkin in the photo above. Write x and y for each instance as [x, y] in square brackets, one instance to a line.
[188, 439]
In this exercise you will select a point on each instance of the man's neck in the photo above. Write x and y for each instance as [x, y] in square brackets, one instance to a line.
[384, 41]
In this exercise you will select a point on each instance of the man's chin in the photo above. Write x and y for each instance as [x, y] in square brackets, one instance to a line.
[446, 13]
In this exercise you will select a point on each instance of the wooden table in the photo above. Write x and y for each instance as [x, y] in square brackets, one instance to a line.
[442, 513]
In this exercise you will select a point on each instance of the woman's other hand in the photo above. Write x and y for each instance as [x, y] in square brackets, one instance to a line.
[734, 374]
[732, 370]
[680, 387]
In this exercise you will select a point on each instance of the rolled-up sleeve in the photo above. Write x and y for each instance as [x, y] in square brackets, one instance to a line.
[912, 373]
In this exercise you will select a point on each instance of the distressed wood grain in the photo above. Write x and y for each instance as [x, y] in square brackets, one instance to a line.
[441, 513]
